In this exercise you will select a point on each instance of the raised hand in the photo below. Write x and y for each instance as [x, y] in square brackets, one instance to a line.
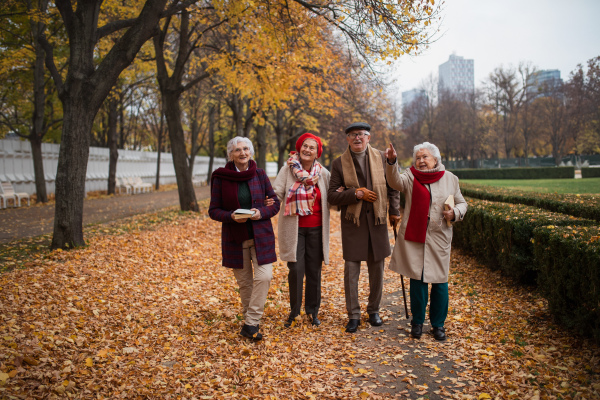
[390, 154]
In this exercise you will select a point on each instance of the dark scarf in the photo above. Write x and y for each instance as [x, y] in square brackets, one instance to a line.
[230, 177]
[416, 228]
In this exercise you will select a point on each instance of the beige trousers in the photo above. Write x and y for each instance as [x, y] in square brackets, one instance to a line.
[253, 283]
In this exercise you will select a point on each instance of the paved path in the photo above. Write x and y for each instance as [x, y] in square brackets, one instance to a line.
[19, 223]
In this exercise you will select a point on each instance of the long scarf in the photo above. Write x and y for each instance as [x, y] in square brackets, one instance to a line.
[416, 227]
[301, 195]
[377, 179]
[230, 177]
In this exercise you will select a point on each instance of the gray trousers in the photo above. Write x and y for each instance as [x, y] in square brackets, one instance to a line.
[351, 276]
[309, 256]
[253, 283]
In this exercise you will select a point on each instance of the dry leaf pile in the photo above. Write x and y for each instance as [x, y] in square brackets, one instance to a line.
[153, 314]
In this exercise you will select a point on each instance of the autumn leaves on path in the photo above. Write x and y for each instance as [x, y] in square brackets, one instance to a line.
[152, 314]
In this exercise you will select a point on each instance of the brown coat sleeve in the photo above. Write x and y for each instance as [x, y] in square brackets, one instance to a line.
[334, 197]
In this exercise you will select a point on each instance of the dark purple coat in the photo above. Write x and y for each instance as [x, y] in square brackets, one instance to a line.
[264, 238]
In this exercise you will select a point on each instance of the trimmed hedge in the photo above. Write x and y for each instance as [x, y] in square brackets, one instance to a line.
[590, 172]
[516, 173]
[568, 261]
[583, 206]
[516, 239]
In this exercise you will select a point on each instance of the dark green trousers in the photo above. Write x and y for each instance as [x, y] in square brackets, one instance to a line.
[438, 307]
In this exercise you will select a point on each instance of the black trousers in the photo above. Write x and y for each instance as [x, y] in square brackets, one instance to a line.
[309, 258]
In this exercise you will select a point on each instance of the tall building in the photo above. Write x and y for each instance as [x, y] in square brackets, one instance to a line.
[457, 75]
[544, 83]
[411, 95]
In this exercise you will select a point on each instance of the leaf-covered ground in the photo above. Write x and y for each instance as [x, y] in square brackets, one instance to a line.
[150, 313]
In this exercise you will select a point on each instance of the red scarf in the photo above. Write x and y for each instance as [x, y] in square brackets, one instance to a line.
[416, 227]
[230, 177]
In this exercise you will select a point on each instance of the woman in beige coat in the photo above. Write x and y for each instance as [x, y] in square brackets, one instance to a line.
[303, 229]
[422, 250]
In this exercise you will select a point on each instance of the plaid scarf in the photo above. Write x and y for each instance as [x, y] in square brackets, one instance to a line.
[301, 196]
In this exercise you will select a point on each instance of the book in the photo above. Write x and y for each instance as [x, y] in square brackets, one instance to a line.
[242, 213]
[448, 205]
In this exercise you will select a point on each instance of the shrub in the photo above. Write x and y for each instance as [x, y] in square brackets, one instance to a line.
[590, 172]
[516, 173]
[583, 206]
[568, 260]
[510, 237]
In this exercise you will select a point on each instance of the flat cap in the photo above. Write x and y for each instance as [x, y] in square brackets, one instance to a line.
[358, 126]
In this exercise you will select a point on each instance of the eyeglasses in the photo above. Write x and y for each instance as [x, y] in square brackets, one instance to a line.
[357, 135]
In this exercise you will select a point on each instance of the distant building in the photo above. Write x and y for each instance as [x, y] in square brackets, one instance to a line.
[544, 83]
[457, 75]
[412, 95]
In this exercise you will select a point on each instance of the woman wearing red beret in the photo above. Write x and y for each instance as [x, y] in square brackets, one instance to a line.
[303, 229]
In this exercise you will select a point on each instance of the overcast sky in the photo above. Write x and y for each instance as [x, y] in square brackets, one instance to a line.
[551, 34]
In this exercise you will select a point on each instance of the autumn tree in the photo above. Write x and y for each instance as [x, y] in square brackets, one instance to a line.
[83, 87]
[554, 114]
[506, 94]
[29, 108]
[527, 118]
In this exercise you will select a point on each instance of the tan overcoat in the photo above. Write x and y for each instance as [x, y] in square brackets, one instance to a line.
[432, 258]
[287, 226]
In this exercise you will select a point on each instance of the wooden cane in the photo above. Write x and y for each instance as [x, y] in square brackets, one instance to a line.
[402, 278]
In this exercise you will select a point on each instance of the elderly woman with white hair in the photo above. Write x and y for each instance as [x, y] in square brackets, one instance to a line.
[422, 250]
[248, 244]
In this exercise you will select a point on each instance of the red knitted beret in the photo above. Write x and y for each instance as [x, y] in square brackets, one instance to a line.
[305, 136]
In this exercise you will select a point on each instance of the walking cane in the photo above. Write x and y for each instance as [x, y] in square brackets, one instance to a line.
[402, 278]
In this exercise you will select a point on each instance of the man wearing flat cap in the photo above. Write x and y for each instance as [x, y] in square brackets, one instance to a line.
[358, 186]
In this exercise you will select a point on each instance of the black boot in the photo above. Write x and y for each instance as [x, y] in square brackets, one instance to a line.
[416, 331]
[289, 321]
[374, 319]
[251, 332]
[439, 333]
[352, 325]
[314, 320]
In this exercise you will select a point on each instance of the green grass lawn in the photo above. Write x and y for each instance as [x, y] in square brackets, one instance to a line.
[576, 186]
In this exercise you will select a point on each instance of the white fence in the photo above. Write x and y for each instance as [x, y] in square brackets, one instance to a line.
[16, 166]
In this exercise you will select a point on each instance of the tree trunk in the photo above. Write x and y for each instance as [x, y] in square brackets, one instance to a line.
[39, 99]
[38, 168]
[237, 109]
[211, 142]
[194, 133]
[161, 132]
[261, 144]
[112, 145]
[71, 173]
[86, 86]
[122, 140]
[187, 195]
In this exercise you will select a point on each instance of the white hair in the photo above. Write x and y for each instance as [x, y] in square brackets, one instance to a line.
[432, 148]
[233, 142]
